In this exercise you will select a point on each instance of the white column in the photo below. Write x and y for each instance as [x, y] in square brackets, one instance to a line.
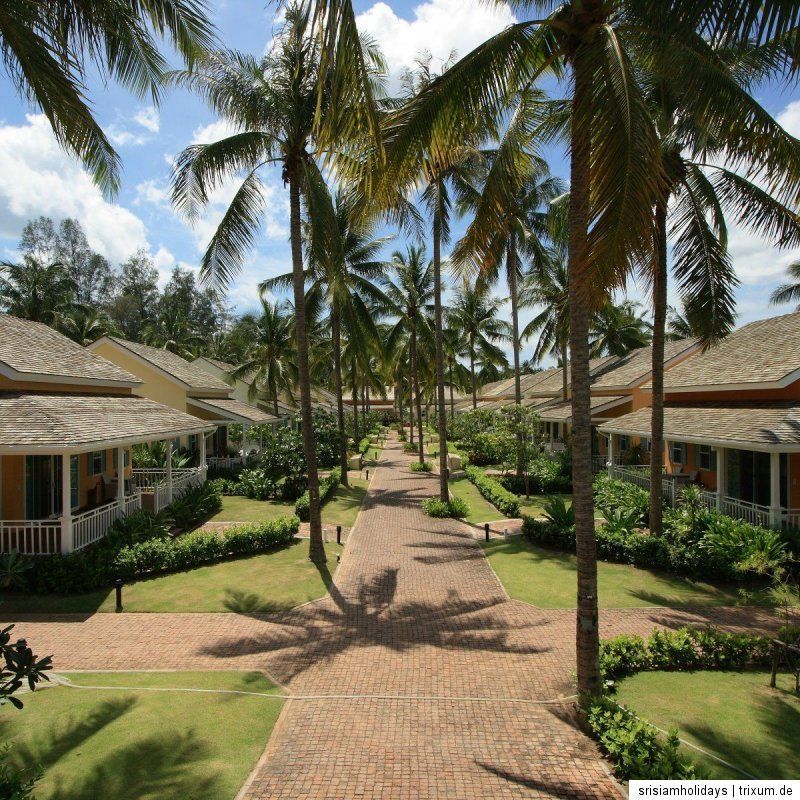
[169, 471]
[244, 439]
[66, 505]
[775, 489]
[121, 478]
[610, 452]
[202, 450]
[722, 475]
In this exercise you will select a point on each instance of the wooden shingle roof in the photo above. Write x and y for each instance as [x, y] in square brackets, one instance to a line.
[32, 421]
[31, 351]
[633, 368]
[230, 408]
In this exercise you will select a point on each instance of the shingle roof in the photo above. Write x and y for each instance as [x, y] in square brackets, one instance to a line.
[235, 408]
[765, 351]
[560, 411]
[82, 421]
[634, 367]
[37, 352]
[734, 424]
[189, 374]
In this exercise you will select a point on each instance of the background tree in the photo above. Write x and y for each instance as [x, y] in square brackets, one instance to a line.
[135, 302]
[616, 329]
[36, 291]
[788, 292]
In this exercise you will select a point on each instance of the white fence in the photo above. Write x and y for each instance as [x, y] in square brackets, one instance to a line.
[34, 537]
[225, 462]
[641, 477]
[153, 481]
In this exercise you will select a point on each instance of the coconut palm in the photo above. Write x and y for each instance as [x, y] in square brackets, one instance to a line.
[458, 377]
[274, 103]
[788, 292]
[271, 363]
[173, 333]
[36, 291]
[618, 329]
[84, 324]
[475, 315]
[45, 49]
[410, 293]
[343, 265]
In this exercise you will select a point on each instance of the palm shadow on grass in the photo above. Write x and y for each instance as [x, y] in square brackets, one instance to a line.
[241, 602]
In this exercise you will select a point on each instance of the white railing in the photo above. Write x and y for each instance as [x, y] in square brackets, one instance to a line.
[33, 537]
[640, 475]
[91, 526]
[225, 462]
[154, 482]
[749, 512]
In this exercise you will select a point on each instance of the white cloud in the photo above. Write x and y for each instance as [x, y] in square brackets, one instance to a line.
[153, 192]
[789, 118]
[213, 132]
[121, 137]
[148, 118]
[38, 178]
[438, 26]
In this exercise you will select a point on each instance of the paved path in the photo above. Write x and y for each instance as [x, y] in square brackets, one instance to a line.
[415, 678]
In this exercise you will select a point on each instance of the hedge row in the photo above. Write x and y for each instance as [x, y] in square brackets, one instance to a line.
[327, 487]
[493, 491]
[185, 552]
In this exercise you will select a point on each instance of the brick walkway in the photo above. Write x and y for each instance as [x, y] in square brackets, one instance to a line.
[415, 678]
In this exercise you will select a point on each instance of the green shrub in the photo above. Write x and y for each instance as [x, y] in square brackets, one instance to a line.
[327, 487]
[503, 500]
[637, 749]
[683, 649]
[195, 505]
[551, 475]
[456, 508]
[258, 484]
[557, 512]
[411, 447]
[421, 466]
[185, 552]
[611, 494]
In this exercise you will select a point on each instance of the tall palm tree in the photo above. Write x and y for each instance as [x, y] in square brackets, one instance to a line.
[788, 292]
[174, 334]
[410, 294]
[45, 48]
[343, 266]
[458, 377]
[84, 324]
[710, 145]
[271, 363]
[36, 291]
[274, 103]
[618, 329]
[475, 315]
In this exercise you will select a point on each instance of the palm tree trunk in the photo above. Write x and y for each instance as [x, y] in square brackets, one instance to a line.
[410, 396]
[511, 268]
[316, 550]
[579, 292]
[336, 334]
[452, 402]
[564, 373]
[472, 376]
[441, 411]
[356, 437]
[659, 326]
[418, 400]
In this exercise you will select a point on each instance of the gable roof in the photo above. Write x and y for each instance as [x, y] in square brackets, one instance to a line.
[633, 368]
[31, 351]
[765, 352]
[230, 408]
[50, 422]
[561, 411]
[173, 366]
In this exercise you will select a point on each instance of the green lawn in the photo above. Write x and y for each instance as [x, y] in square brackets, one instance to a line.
[480, 509]
[533, 506]
[546, 578]
[341, 509]
[132, 744]
[266, 582]
[734, 715]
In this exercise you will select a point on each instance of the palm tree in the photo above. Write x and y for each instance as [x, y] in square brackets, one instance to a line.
[410, 295]
[85, 325]
[175, 334]
[36, 291]
[274, 102]
[788, 292]
[474, 314]
[457, 374]
[343, 265]
[713, 163]
[271, 363]
[44, 48]
[618, 329]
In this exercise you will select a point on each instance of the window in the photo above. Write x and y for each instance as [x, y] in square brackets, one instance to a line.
[677, 452]
[624, 444]
[644, 443]
[97, 462]
[707, 458]
[126, 458]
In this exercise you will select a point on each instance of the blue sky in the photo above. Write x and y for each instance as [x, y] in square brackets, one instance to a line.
[36, 178]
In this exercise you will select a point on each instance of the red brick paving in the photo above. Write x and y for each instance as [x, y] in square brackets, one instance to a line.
[416, 677]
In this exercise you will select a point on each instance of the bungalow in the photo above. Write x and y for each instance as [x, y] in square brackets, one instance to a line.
[731, 424]
[68, 420]
[169, 379]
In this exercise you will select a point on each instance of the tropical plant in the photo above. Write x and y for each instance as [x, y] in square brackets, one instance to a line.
[274, 104]
[19, 667]
[36, 291]
[788, 292]
[46, 47]
[84, 324]
[617, 329]
[475, 315]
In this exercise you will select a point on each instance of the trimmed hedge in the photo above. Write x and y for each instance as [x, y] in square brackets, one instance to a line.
[493, 491]
[327, 486]
[424, 466]
[185, 552]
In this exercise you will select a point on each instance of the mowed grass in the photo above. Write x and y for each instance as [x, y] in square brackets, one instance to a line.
[547, 578]
[133, 744]
[734, 715]
[266, 582]
[341, 509]
[480, 509]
